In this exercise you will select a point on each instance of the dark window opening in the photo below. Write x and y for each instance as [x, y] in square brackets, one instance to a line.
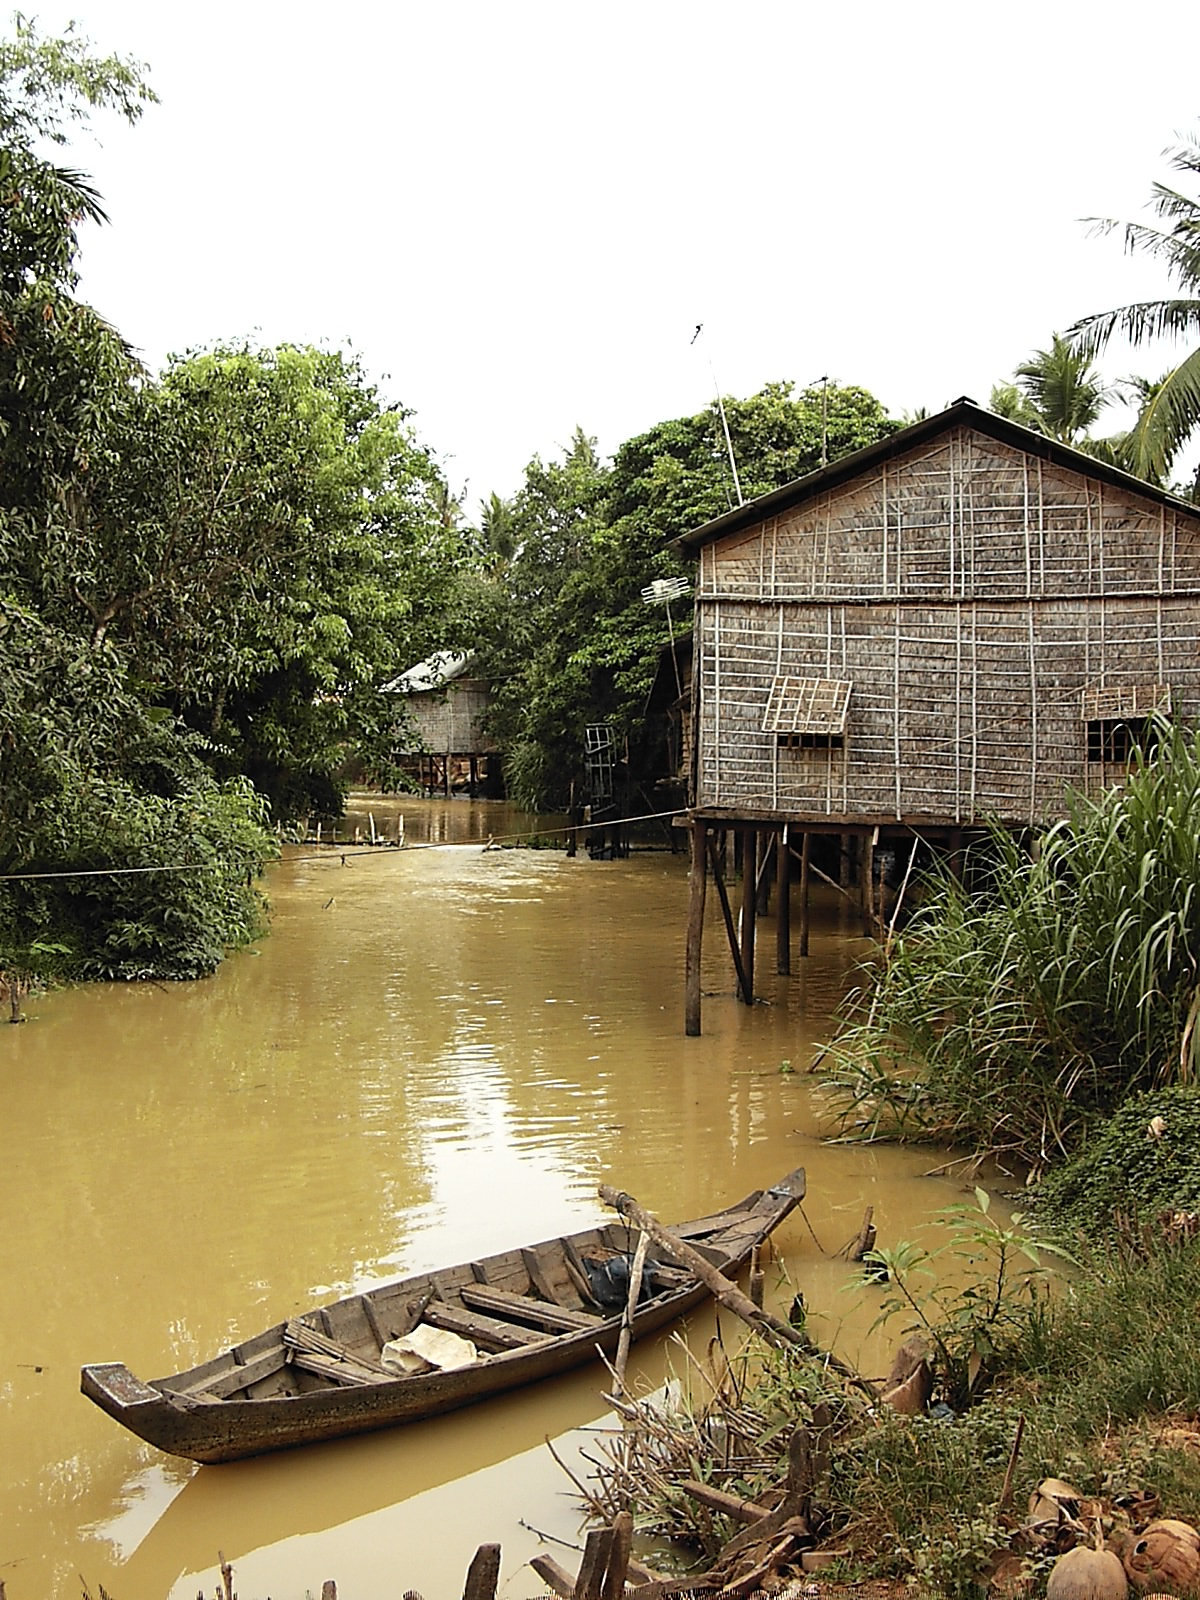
[1114, 739]
[810, 741]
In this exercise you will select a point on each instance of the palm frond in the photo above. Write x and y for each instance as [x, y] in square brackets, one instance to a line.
[1170, 416]
[1146, 319]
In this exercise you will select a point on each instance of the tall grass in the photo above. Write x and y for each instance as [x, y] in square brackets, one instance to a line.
[1018, 1007]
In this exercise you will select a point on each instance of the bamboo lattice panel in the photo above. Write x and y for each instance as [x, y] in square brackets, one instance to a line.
[1126, 700]
[807, 705]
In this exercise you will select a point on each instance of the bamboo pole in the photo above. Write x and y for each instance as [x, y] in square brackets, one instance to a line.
[768, 1326]
[727, 913]
[635, 1290]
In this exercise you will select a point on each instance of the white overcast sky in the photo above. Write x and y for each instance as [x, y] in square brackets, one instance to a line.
[517, 211]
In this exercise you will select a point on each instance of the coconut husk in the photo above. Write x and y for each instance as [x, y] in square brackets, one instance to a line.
[912, 1396]
[1165, 1556]
[1087, 1574]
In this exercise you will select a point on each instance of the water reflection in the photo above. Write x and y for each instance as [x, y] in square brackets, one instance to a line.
[437, 1054]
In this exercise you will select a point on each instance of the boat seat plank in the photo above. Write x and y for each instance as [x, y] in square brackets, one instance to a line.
[223, 1384]
[548, 1275]
[486, 1332]
[346, 1373]
[373, 1322]
[553, 1318]
[714, 1224]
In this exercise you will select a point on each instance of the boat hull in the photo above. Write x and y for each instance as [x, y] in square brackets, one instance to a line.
[182, 1417]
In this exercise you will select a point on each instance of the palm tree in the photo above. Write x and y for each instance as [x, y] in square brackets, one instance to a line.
[1171, 412]
[1063, 393]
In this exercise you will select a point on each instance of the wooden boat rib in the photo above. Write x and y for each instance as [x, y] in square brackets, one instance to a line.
[531, 1313]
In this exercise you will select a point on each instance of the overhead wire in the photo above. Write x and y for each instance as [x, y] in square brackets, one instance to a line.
[345, 852]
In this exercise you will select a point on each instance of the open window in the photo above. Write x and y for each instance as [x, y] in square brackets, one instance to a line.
[808, 713]
[1123, 719]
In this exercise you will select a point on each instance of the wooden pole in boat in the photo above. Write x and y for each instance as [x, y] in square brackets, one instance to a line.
[770, 1327]
[635, 1291]
[749, 908]
[697, 885]
[805, 876]
[783, 904]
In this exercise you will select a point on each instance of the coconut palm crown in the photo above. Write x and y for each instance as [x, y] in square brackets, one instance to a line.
[1171, 412]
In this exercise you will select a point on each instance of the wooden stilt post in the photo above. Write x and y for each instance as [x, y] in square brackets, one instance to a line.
[473, 786]
[845, 844]
[727, 913]
[697, 884]
[867, 874]
[763, 874]
[805, 877]
[749, 907]
[783, 903]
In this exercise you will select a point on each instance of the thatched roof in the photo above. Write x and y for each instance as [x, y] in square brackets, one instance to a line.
[963, 413]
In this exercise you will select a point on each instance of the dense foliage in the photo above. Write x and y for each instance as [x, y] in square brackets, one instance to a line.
[1023, 1004]
[568, 637]
[205, 578]
[1139, 1162]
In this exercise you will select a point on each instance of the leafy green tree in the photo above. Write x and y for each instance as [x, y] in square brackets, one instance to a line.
[267, 544]
[580, 644]
[92, 776]
[1171, 414]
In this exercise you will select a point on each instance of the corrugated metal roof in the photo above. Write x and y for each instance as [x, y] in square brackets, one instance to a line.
[434, 673]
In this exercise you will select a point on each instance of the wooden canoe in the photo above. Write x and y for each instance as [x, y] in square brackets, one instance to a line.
[530, 1313]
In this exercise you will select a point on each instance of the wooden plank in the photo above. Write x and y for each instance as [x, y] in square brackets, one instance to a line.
[373, 1321]
[347, 1373]
[713, 1224]
[484, 1331]
[577, 1271]
[556, 1578]
[537, 1269]
[483, 1574]
[482, 1297]
[590, 1579]
[239, 1377]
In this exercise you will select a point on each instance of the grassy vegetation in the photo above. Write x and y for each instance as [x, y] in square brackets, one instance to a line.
[1044, 1011]
[1090, 1384]
[1021, 1006]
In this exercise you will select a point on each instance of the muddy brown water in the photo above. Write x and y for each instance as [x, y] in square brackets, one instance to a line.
[437, 1053]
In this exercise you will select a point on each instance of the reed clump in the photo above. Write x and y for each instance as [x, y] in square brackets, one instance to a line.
[1025, 1002]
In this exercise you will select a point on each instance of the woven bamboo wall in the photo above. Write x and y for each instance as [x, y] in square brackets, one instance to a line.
[450, 720]
[970, 594]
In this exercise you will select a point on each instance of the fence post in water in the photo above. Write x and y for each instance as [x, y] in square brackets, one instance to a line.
[697, 884]
[783, 904]
[805, 876]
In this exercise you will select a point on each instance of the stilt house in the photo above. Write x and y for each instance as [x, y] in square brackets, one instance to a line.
[955, 624]
[445, 741]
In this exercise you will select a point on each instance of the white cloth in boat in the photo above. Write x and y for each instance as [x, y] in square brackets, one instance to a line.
[427, 1349]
